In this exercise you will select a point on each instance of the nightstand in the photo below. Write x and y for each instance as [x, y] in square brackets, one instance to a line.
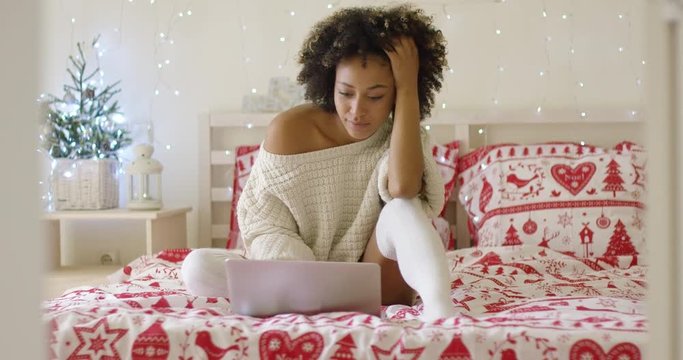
[165, 228]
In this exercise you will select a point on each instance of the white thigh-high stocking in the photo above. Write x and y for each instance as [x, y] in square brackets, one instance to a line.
[203, 272]
[405, 234]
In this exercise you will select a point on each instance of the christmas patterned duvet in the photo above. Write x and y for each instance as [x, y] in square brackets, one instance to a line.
[515, 303]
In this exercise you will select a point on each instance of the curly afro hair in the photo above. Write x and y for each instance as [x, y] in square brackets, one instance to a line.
[365, 31]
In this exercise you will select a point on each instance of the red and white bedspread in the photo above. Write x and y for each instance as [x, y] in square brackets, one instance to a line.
[515, 303]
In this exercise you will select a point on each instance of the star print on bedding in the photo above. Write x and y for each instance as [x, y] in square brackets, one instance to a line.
[514, 303]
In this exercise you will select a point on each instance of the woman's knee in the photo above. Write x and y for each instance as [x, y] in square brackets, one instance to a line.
[192, 267]
[403, 204]
[398, 212]
[203, 271]
[403, 208]
[196, 260]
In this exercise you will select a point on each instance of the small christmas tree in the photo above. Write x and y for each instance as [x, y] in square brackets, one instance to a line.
[613, 181]
[345, 349]
[620, 242]
[82, 124]
[512, 239]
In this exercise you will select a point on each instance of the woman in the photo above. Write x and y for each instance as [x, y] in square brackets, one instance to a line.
[349, 177]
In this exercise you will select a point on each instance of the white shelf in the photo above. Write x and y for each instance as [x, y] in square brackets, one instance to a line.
[117, 213]
[165, 228]
[220, 194]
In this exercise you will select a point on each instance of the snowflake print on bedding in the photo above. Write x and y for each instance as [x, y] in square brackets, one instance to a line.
[526, 302]
[97, 342]
[582, 197]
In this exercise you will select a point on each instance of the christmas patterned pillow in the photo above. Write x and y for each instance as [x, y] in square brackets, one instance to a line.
[581, 200]
[245, 156]
[446, 157]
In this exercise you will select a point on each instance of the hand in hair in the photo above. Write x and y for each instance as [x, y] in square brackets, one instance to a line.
[405, 62]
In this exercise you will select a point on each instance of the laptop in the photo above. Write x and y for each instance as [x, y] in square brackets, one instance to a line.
[263, 288]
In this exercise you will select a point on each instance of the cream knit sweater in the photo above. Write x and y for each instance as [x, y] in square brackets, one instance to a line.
[324, 205]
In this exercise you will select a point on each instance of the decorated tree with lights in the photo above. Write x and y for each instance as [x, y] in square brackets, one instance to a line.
[85, 122]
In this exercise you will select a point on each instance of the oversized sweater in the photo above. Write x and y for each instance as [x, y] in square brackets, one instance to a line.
[324, 205]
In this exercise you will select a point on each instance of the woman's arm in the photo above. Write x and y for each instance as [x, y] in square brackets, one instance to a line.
[267, 227]
[406, 164]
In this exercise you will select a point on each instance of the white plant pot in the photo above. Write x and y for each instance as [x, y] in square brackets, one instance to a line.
[85, 184]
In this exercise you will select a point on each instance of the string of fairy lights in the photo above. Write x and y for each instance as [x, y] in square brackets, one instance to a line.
[111, 40]
[623, 16]
[164, 41]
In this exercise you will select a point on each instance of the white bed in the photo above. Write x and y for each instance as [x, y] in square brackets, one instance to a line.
[514, 302]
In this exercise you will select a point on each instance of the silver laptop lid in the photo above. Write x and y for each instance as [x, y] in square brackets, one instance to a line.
[269, 287]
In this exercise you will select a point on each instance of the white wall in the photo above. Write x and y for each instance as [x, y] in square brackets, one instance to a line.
[664, 141]
[23, 258]
[208, 66]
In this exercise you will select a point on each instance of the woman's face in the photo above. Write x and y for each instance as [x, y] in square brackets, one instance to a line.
[363, 95]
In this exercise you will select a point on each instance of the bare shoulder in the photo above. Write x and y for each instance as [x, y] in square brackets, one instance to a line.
[294, 131]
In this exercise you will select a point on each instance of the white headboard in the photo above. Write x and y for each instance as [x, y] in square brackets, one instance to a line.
[221, 132]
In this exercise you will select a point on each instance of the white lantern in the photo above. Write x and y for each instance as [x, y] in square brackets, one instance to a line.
[144, 180]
